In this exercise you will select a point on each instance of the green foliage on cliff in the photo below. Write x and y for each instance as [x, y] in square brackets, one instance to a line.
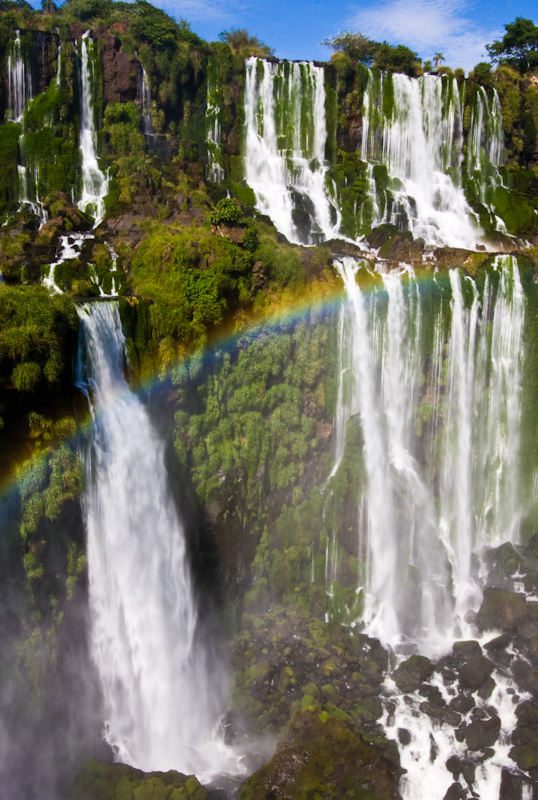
[518, 47]
[34, 337]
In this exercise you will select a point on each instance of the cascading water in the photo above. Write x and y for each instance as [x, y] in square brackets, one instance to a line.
[485, 149]
[285, 148]
[94, 182]
[214, 132]
[420, 142]
[144, 99]
[161, 705]
[395, 390]
[438, 402]
[19, 81]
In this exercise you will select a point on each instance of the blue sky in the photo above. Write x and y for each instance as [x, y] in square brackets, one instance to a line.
[458, 28]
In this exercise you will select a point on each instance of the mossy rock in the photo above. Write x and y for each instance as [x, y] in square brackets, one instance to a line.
[322, 758]
[411, 673]
[101, 781]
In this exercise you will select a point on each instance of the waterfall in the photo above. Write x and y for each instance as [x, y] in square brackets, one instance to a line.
[485, 149]
[144, 99]
[19, 81]
[215, 171]
[285, 148]
[161, 705]
[415, 129]
[439, 412]
[94, 182]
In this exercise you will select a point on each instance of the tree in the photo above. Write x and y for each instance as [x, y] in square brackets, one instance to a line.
[356, 45]
[519, 46]
[397, 58]
[246, 45]
[438, 57]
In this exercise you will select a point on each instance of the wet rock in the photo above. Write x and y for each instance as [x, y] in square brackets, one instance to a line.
[526, 639]
[455, 792]
[527, 713]
[445, 715]
[469, 649]
[525, 749]
[486, 689]
[462, 703]
[498, 643]
[474, 672]
[501, 609]
[482, 733]
[381, 234]
[461, 766]
[411, 673]
[511, 785]
[404, 736]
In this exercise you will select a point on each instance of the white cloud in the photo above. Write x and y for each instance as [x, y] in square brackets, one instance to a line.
[427, 26]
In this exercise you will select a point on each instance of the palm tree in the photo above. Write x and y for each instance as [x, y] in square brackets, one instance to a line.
[438, 57]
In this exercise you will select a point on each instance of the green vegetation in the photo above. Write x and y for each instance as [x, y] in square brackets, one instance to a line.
[382, 55]
[519, 46]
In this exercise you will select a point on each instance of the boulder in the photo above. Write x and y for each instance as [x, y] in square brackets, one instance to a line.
[469, 649]
[501, 609]
[474, 672]
[482, 733]
[411, 673]
[455, 792]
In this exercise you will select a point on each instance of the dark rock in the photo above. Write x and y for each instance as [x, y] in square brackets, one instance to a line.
[404, 736]
[461, 766]
[511, 785]
[462, 703]
[482, 733]
[532, 544]
[411, 673]
[381, 234]
[455, 792]
[501, 609]
[474, 672]
[527, 713]
[499, 643]
[526, 639]
[470, 649]
[487, 688]
[446, 715]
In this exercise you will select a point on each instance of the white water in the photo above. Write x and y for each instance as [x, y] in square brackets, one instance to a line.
[485, 143]
[285, 147]
[19, 81]
[70, 246]
[428, 504]
[161, 705]
[433, 742]
[422, 147]
[94, 182]
[215, 171]
[144, 99]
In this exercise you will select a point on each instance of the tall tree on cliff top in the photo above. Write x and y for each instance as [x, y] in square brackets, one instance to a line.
[519, 46]
[357, 46]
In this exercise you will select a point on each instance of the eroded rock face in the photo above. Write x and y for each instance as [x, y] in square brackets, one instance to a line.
[322, 757]
[120, 71]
